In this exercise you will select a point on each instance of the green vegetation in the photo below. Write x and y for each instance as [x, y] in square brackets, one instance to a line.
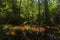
[43, 12]
[29, 12]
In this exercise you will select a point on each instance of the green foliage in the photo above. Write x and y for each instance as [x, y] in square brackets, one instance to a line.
[15, 11]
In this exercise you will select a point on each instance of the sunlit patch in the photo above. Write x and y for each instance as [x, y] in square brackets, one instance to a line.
[11, 33]
[22, 28]
[42, 29]
[27, 27]
[33, 29]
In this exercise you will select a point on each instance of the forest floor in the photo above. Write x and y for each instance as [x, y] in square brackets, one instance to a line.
[11, 30]
[32, 28]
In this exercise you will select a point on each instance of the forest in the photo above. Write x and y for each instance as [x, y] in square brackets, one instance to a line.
[29, 19]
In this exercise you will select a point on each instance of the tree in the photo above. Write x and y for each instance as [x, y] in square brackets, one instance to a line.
[39, 16]
[46, 14]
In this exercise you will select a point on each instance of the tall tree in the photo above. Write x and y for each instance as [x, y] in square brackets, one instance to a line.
[46, 14]
[38, 15]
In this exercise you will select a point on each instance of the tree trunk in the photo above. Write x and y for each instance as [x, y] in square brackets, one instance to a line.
[39, 18]
[46, 14]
